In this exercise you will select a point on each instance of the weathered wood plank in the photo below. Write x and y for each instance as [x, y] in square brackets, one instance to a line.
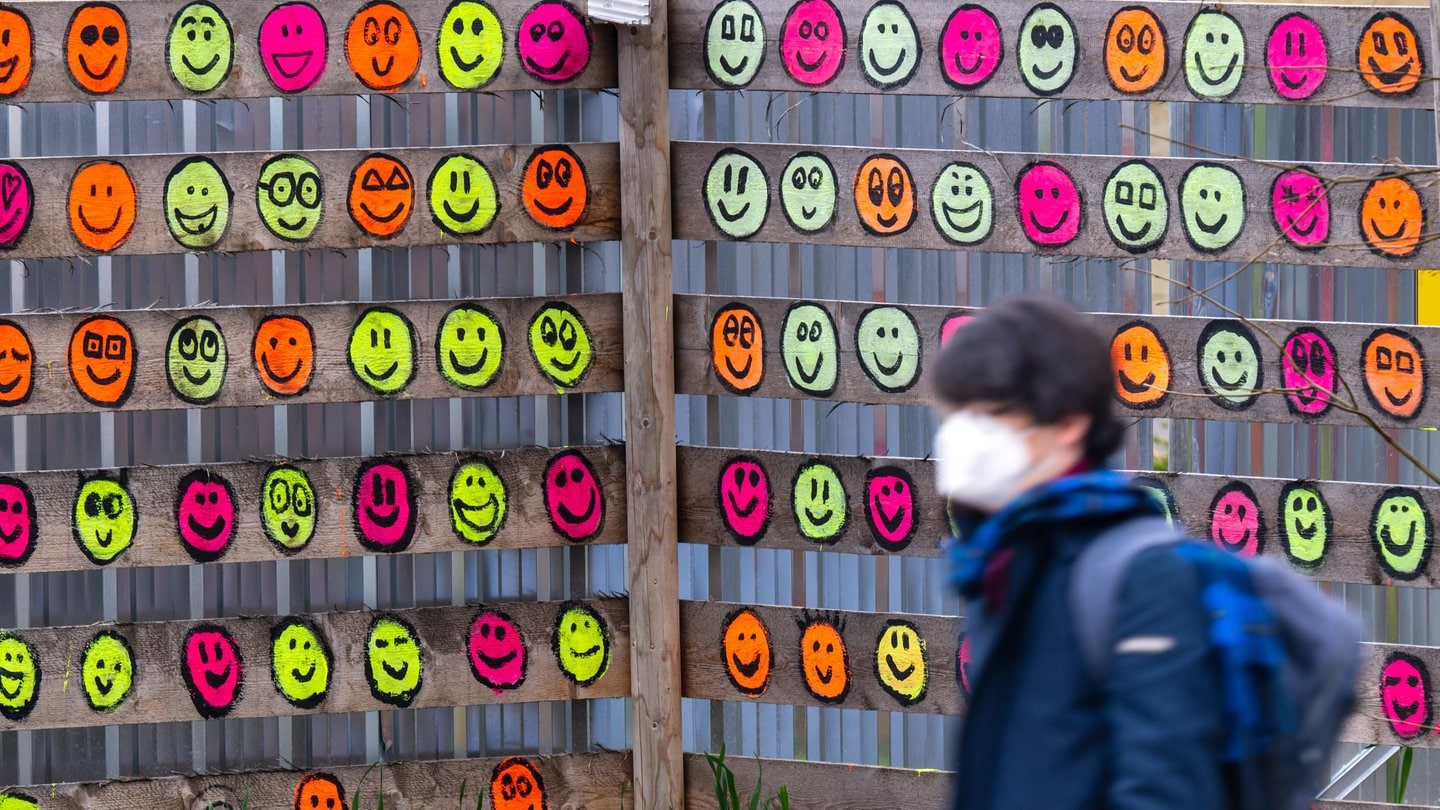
[163, 656]
[1339, 29]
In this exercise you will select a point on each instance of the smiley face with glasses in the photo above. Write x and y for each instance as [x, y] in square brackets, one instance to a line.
[290, 197]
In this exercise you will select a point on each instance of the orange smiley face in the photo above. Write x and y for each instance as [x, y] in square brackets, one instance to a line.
[102, 360]
[1135, 58]
[516, 785]
[1141, 363]
[746, 648]
[824, 661]
[102, 205]
[382, 195]
[1390, 55]
[554, 189]
[737, 348]
[17, 364]
[17, 52]
[1392, 217]
[319, 791]
[885, 195]
[284, 352]
[382, 46]
[1393, 365]
[97, 47]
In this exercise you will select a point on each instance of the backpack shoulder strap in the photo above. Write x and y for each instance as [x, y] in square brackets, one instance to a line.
[1095, 583]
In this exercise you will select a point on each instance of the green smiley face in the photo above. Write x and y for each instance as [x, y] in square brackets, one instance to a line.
[818, 497]
[477, 502]
[17, 801]
[107, 672]
[289, 197]
[889, 45]
[808, 192]
[393, 665]
[300, 663]
[1306, 523]
[201, 48]
[1161, 494]
[810, 349]
[582, 643]
[463, 200]
[888, 342]
[197, 203]
[1400, 528]
[560, 344]
[962, 204]
[287, 508]
[470, 45]
[19, 677]
[1212, 206]
[1214, 55]
[734, 43]
[1136, 208]
[469, 347]
[382, 350]
[1229, 362]
[737, 194]
[196, 360]
[104, 519]
[1047, 49]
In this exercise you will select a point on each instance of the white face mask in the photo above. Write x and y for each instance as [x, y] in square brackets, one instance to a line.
[980, 460]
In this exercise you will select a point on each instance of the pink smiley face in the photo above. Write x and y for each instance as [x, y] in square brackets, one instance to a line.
[293, 46]
[497, 651]
[745, 500]
[1297, 57]
[205, 514]
[1307, 366]
[952, 325]
[1405, 695]
[17, 521]
[212, 670]
[553, 41]
[812, 42]
[16, 202]
[970, 47]
[962, 665]
[573, 497]
[384, 506]
[890, 507]
[1235, 520]
[1301, 208]
[1049, 204]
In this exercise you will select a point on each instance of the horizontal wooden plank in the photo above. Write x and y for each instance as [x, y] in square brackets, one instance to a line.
[285, 201]
[1160, 213]
[185, 670]
[1336, 354]
[148, 516]
[242, 368]
[767, 45]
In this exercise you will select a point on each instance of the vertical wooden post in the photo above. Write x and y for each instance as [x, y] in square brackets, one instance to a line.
[649, 337]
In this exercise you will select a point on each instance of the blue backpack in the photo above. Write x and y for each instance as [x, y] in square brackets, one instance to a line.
[1286, 657]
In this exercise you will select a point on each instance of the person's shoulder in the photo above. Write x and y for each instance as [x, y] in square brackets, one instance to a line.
[1161, 572]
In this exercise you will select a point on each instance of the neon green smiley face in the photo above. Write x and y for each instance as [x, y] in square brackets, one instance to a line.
[469, 347]
[107, 672]
[560, 344]
[382, 350]
[808, 192]
[17, 801]
[104, 519]
[734, 43]
[19, 676]
[1136, 209]
[1229, 363]
[201, 48]
[393, 665]
[810, 348]
[289, 197]
[1305, 521]
[287, 507]
[477, 502]
[196, 360]
[889, 45]
[888, 342]
[463, 200]
[582, 643]
[1214, 55]
[1400, 528]
[819, 500]
[197, 203]
[737, 194]
[1212, 206]
[300, 663]
[471, 44]
[1047, 49]
[962, 204]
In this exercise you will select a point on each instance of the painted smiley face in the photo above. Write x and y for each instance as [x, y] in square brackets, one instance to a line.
[17, 801]
[478, 502]
[101, 205]
[17, 198]
[1136, 208]
[1307, 371]
[1047, 49]
[812, 42]
[808, 192]
[553, 41]
[1048, 202]
[737, 348]
[1392, 217]
[1141, 362]
[734, 46]
[554, 188]
[737, 194]
[463, 199]
[885, 195]
[102, 358]
[382, 195]
[810, 348]
[1214, 56]
[107, 672]
[287, 507]
[574, 498]
[581, 642]
[284, 354]
[294, 47]
[1301, 208]
[104, 519]
[382, 350]
[560, 344]
[18, 520]
[1393, 365]
[290, 197]
[97, 47]
[889, 45]
[17, 364]
[394, 666]
[19, 677]
[469, 347]
[17, 52]
[1212, 206]
[824, 661]
[1228, 359]
[382, 46]
[319, 790]
[888, 343]
[497, 651]
[962, 204]
[1235, 523]
[385, 495]
[1306, 523]
[1405, 695]
[205, 514]
[890, 507]
[516, 785]
[1160, 493]
[213, 670]
[201, 47]
[1400, 529]
[1297, 57]
[819, 501]
[1135, 50]
[962, 666]
[744, 494]
[1390, 55]
[197, 203]
[300, 662]
[900, 662]
[971, 47]
[745, 648]
[470, 45]
[196, 360]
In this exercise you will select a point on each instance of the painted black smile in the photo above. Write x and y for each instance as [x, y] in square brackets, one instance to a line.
[586, 653]
[1064, 215]
[1044, 75]
[285, 224]
[725, 211]
[890, 71]
[740, 512]
[730, 367]
[85, 66]
[496, 662]
[192, 379]
[201, 71]
[218, 679]
[1131, 236]
[459, 216]
[398, 673]
[1233, 544]
[887, 222]
[1386, 237]
[1224, 75]
[466, 65]
[381, 376]
[565, 365]
[960, 66]
[102, 381]
[7, 387]
[11, 675]
[463, 511]
[280, 378]
[1389, 76]
[196, 224]
[888, 370]
[822, 519]
[384, 521]
[561, 208]
[290, 528]
[11, 536]
[464, 368]
[108, 539]
[299, 59]
[552, 69]
[1285, 80]
[387, 218]
[1125, 74]
[748, 670]
[80, 212]
[571, 517]
[950, 212]
[305, 677]
[810, 378]
[103, 686]
[1398, 401]
[900, 674]
[210, 532]
[1398, 549]
[1211, 229]
[890, 524]
[1302, 233]
[9, 66]
[809, 67]
[1404, 711]
[826, 676]
[1132, 386]
[734, 70]
[1224, 383]
[389, 65]
[1306, 532]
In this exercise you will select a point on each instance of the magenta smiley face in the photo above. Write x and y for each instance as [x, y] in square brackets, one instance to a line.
[497, 651]
[212, 669]
[1405, 695]
[1301, 208]
[1297, 57]
[573, 497]
[745, 499]
[962, 665]
[952, 325]
[205, 514]
[812, 42]
[293, 47]
[1235, 520]
[384, 506]
[17, 521]
[970, 47]
[16, 202]
[1049, 204]
[1307, 365]
[553, 41]
[890, 507]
